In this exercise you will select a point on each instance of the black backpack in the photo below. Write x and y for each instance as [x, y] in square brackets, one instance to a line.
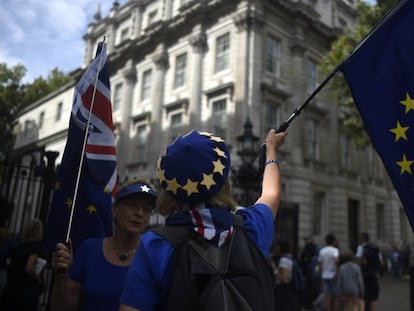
[233, 277]
[370, 258]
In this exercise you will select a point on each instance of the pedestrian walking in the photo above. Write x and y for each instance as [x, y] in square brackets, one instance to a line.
[350, 284]
[290, 281]
[395, 263]
[328, 262]
[370, 260]
[309, 263]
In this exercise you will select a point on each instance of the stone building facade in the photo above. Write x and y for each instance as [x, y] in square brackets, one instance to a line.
[178, 65]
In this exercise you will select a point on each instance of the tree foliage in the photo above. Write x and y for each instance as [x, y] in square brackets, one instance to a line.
[368, 17]
[15, 95]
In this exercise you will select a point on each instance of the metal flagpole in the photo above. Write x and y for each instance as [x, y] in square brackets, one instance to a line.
[283, 127]
[85, 139]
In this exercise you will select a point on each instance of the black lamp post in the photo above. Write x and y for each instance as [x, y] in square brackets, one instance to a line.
[248, 149]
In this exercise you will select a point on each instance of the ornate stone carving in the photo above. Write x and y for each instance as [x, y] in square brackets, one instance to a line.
[161, 60]
[199, 43]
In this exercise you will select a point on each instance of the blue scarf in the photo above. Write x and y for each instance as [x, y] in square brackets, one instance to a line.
[215, 223]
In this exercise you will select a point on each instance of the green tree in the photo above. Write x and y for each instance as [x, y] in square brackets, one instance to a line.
[16, 95]
[11, 101]
[41, 87]
[369, 16]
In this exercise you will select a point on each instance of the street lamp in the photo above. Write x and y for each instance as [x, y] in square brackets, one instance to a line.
[247, 176]
[247, 145]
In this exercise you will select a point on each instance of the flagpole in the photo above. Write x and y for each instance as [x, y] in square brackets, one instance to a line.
[283, 127]
[85, 139]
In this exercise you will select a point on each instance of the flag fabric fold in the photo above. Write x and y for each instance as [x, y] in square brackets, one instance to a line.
[380, 74]
[92, 215]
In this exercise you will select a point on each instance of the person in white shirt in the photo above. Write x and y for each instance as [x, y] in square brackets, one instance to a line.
[328, 265]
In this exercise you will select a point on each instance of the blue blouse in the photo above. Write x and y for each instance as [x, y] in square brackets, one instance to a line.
[102, 282]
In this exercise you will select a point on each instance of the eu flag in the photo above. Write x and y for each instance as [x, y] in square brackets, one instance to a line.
[92, 214]
[380, 74]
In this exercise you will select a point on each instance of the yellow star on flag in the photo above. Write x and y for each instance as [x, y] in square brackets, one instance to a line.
[218, 167]
[172, 185]
[206, 134]
[220, 152]
[208, 181]
[161, 175]
[190, 187]
[58, 185]
[106, 190]
[217, 139]
[408, 103]
[69, 203]
[399, 131]
[91, 209]
[405, 165]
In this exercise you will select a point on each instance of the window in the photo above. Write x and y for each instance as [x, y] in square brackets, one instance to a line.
[345, 153]
[27, 126]
[222, 52]
[373, 165]
[176, 125]
[146, 85]
[272, 117]
[312, 76]
[152, 17]
[180, 67]
[219, 116]
[117, 96]
[319, 199]
[312, 151]
[59, 112]
[380, 221]
[124, 34]
[273, 56]
[41, 119]
[142, 138]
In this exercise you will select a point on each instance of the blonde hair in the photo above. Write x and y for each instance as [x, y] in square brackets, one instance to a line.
[167, 204]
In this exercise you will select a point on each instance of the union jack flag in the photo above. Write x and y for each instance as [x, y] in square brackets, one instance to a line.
[92, 214]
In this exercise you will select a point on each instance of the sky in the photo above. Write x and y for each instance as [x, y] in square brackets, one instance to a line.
[47, 34]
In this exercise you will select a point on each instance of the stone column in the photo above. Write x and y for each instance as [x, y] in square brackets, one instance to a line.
[130, 78]
[168, 9]
[160, 59]
[297, 49]
[112, 26]
[249, 21]
[199, 43]
[137, 26]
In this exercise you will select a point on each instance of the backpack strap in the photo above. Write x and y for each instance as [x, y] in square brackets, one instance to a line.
[176, 235]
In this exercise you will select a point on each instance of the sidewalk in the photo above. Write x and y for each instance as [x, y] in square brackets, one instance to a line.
[394, 295]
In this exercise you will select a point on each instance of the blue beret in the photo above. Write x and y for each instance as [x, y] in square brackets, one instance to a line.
[195, 167]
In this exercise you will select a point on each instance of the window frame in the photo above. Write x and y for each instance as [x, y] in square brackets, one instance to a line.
[222, 53]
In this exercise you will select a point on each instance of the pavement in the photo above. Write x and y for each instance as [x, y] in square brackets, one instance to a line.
[394, 295]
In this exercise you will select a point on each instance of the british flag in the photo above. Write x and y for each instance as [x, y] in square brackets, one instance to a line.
[92, 212]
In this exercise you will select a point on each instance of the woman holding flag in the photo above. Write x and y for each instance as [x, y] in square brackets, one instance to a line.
[94, 277]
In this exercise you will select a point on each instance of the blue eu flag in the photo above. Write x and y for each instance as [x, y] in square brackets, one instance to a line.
[92, 200]
[380, 74]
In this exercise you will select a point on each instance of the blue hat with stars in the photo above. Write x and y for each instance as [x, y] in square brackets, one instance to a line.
[135, 188]
[195, 167]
